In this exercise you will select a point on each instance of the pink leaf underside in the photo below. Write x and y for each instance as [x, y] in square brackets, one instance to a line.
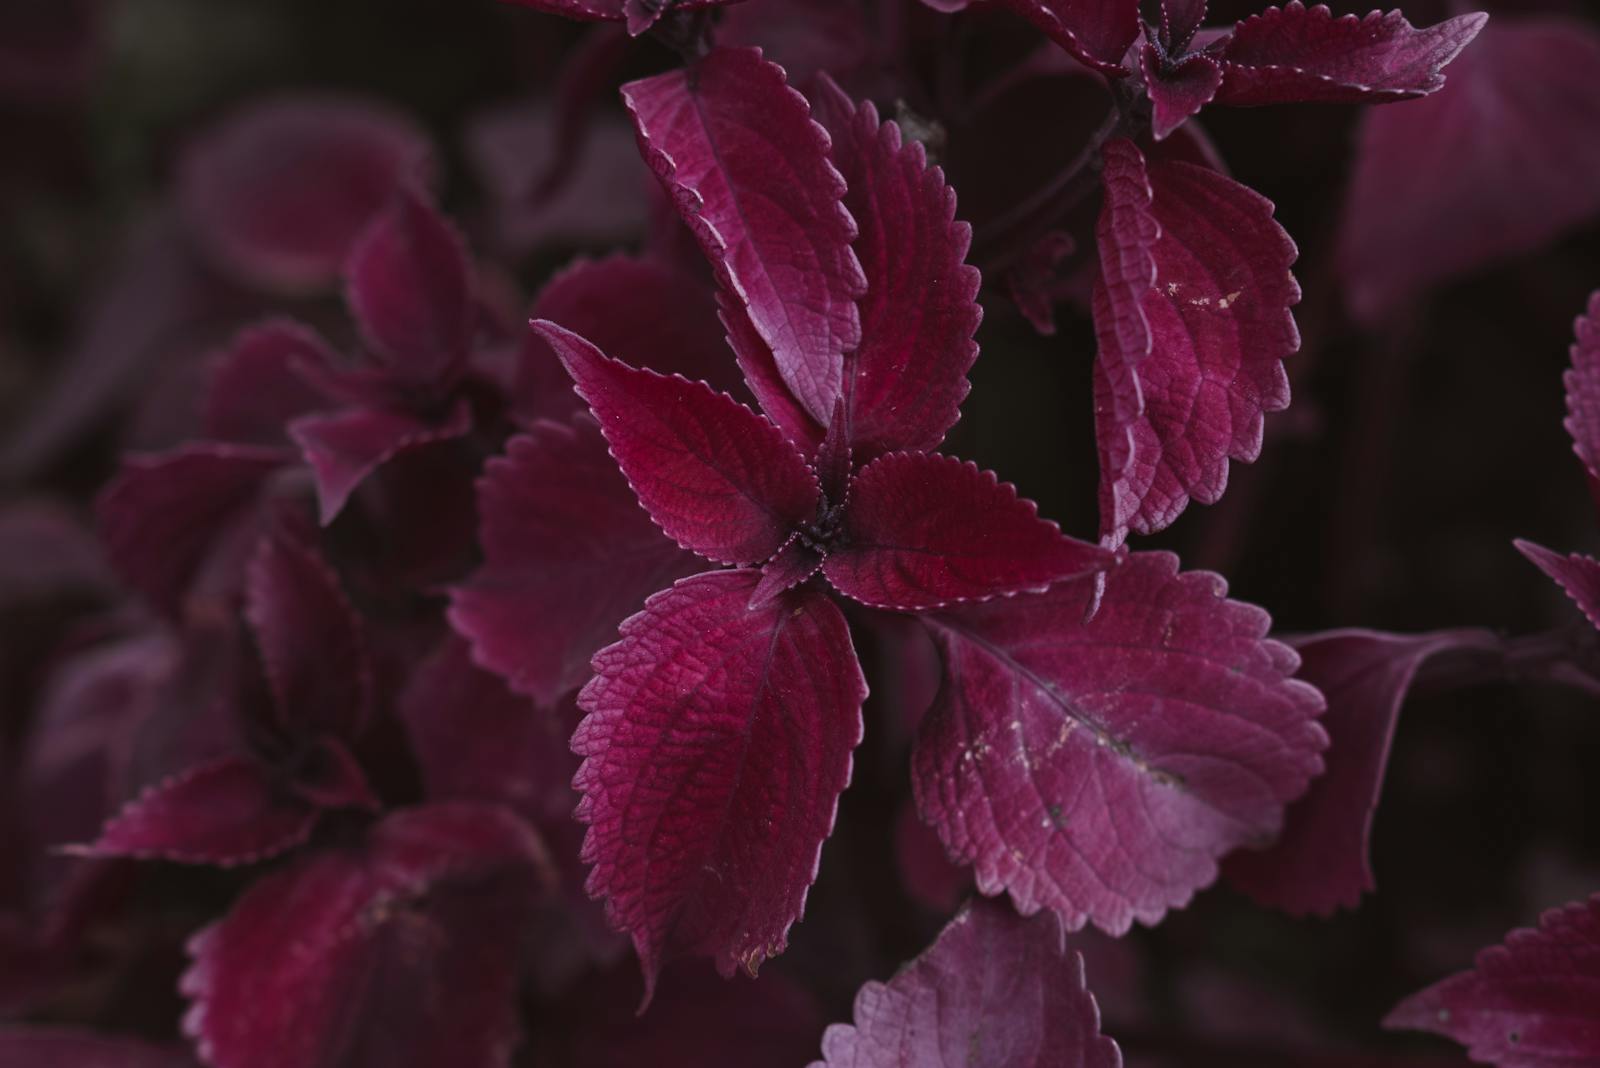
[1319, 863]
[42, 1047]
[255, 388]
[903, 386]
[993, 991]
[643, 311]
[1295, 53]
[721, 480]
[748, 169]
[1101, 768]
[1498, 162]
[1582, 382]
[1576, 574]
[717, 741]
[399, 953]
[410, 286]
[1192, 359]
[1532, 1002]
[279, 191]
[312, 642]
[345, 447]
[568, 555]
[225, 813]
[923, 530]
[1097, 33]
[161, 516]
[616, 10]
[1180, 91]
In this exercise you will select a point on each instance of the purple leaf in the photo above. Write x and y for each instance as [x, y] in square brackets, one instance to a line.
[748, 169]
[1295, 53]
[795, 562]
[1097, 33]
[1177, 90]
[225, 813]
[568, 555]
[903, 386]
[718, 478]
[755, 361]
[278, 192]
[40, 1047]
[1179, 21]
[256, 388]
[994, 991]
[923, 530]
[410, 289]
[345, 447]
[1497, 163]
[1101, 768]
[717, 741]
[312, 642]
[1577, 574]
[1199, 349]
[1583, 389]
[1319, 863]
[1533, 1002]
[399, 953]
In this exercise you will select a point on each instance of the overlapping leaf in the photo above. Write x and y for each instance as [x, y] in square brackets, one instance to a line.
[345, 447]
[1095, 32]
[255, 388]
[1577, 574]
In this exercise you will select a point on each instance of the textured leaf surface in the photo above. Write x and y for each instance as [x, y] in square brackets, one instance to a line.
[1101, 768]
[748, 169]
[903, 386]
[255, 389]
[718, 478]
[994, 991]
[1178, 91]
[1498, 162]
[1583, 388]
[1296, 53]
[1577, 574]
[1533, 1002]
[1320, 862]
[1095, 32]
[392, 954]
[568, 555]
[717, 742]
[344, 448]
[922, 530]
[1200, 351]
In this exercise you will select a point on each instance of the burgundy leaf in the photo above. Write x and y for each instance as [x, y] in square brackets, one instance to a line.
[1179, 90]
[903, 386]
[926, 872]
[225, 813]
[1295, 53]
[1497, 163]
[1179, 21]
[161, 516]
[255, 387]
[279, 191]
[41, 1047]
[410, 289]
[748, 169]
[717, 742]
[345, 447]
[1319, 863]
[568, 555]
[718, 478]
[1533, 1002]
[1202, 349]
[760, 370]
[1095, 32]
[994, 991]
[1583, 388]
[923, 530]
[1577, 574]
[312, 642]
[1101, 768]
[795, 562]
[399, 953]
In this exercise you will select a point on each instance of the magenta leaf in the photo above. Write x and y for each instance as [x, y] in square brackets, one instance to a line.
[1296, 53]
[1179, 89]
[903, 386]
[1583, 389]
[1577, 574]
[410, 289]
[278, 193]
[224, 813]
[1533, 1002]
[748, 169]
[993, 991]
[717, 741]
[345, 447]
[761, 375]
[255, 387]
[1097, 33]
[395, 953]
[1101, 768]
[1505, 143]
[44, 1047]
[719, 479]
[568, 555]
[794, 563]
[1179, 21]
[1319, 863]
[923, 530]
[1198, 351]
